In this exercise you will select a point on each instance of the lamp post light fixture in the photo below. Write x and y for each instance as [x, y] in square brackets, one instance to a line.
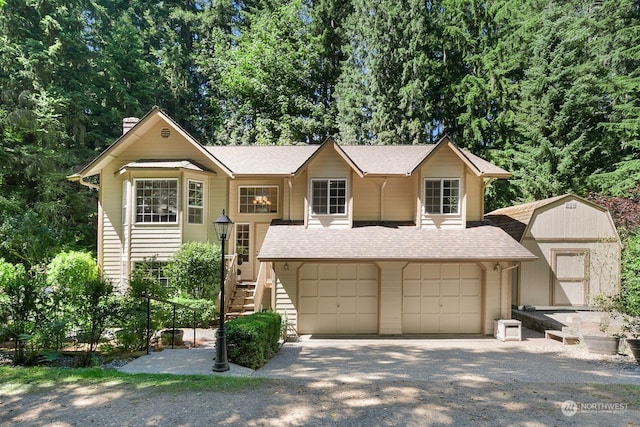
[223, 228]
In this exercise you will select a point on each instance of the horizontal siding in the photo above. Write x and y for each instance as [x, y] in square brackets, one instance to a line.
[148, 241]
[329, 165]
[285, 306]
[443, 164]
[111, 251]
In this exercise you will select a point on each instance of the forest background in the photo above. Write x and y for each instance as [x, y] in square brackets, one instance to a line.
[548, 90]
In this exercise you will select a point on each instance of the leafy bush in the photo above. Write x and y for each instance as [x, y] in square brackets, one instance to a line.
[195, 270]
[253, 340]
[21, 303]
[631, 275]
[205, 311]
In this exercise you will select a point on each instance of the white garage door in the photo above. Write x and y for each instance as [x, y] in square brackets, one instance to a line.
[338, 298]
[442, 298]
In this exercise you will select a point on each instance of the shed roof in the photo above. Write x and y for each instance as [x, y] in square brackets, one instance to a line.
[294, 242]
[515, 219]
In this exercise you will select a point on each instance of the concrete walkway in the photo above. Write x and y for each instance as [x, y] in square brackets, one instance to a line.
[356, 359]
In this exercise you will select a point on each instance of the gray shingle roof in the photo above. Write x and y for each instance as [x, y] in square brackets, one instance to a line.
[286, 242]
[263, 159]
[387, 159]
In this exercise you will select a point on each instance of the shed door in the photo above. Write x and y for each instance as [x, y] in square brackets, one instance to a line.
[442, 298]
[338, 298]
[570, 277]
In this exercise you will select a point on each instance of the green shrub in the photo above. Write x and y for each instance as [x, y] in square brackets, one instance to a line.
[253, 340]
[195, 270]
[205, 311]
[631, 275]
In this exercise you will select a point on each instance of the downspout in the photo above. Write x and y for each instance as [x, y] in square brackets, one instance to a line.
[384, 184]
[290, 185]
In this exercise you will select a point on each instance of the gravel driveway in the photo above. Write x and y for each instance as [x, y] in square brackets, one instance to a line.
[360, 382]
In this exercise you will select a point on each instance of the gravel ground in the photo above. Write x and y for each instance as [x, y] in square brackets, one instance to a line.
[371, 383]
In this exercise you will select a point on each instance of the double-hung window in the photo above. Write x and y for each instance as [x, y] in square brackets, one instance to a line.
[442, 196]
[329, 196]
[156, 200]
[195, 202]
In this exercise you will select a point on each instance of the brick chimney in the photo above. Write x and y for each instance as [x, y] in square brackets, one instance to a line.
[128, 123]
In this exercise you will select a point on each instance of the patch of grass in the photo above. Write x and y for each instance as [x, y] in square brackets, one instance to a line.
[18, 380]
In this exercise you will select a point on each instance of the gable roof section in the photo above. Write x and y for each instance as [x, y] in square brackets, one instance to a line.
[388, 243]
[515, 219]
[122, 143]
[280, 160]
[290, 160]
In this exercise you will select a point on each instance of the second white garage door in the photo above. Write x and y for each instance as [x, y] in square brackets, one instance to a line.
[337, 298]
[442, 298]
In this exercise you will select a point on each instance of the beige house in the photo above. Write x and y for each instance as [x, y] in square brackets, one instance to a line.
[339, 239]
[577, 246]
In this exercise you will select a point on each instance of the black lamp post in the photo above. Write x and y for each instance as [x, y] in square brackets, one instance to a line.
[223, 229]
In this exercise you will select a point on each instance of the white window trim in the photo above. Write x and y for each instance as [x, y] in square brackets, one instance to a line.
[135, 201]
[204, 203]
[441, 180]
[240, 187]
[236, 228]
[346, 198]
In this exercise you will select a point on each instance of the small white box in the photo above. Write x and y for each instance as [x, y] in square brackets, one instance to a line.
[507, 330]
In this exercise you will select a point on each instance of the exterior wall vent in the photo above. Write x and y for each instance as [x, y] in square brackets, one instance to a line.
[570, 205]
[165, 132]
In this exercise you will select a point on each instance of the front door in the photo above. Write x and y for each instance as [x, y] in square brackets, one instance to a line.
[570, 281]
[249, 238]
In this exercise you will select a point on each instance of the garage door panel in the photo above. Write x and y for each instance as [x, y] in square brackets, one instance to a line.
[450, 305]
[450, 300]
[327, 288]
[450, 271]
[470, 287]
[348, 306]
[429, 324]
[348, 288]
[450, 323]
[411, 306]
[430, 287]
[308, 305]
[429, 271]
[412, 288]
[308, 289]
[327, 305]
[341, 298]
[450, 287]
[430, 305]
[367, 305]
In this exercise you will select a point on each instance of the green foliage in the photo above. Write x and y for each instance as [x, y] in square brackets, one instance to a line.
[253, 340]
[144, 281]
[631, 275]
[205, 313]
[23, 292]
[72, 269]
[195, 270]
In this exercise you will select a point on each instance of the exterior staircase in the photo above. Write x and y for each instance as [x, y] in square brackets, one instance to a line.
[241, 303]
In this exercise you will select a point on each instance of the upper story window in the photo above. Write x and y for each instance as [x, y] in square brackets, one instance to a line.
[262, 199]
[442, 196]
[329, 196]
[195, 202]
[156, 200]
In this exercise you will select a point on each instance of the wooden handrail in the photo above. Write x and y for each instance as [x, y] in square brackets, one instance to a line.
[230, 279]
[263, 276]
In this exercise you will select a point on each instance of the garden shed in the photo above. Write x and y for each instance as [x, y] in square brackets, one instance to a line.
[577, 246]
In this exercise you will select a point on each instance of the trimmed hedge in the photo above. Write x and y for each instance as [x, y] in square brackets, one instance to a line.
[253, 340]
